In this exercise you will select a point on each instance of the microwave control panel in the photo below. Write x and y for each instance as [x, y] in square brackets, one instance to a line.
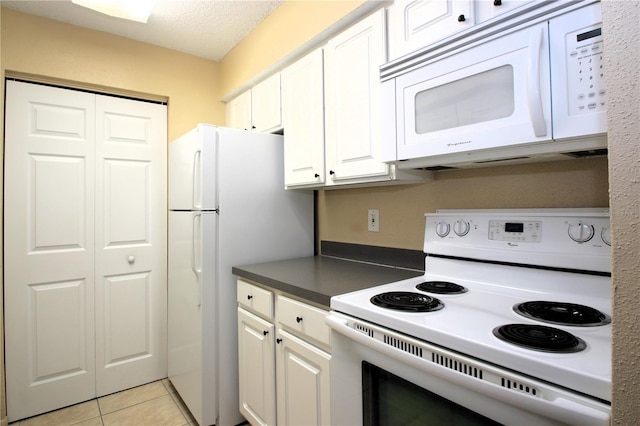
[585, 70]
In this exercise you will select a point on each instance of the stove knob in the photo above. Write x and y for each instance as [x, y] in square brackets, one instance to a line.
[606, 236]
[581, 232]
[442, 229]
[461, 227]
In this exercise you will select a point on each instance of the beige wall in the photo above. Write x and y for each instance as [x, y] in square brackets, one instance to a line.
[621, 22]
[294, 23]
[573, 183]
[58, 51]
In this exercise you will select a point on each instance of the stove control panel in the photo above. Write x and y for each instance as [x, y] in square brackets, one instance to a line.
[566, 238]
[525, 231]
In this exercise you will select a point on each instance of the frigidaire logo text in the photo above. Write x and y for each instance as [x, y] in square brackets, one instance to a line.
[458, 143]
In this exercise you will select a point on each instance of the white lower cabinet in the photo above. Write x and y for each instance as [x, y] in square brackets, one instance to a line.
[302, 382]
[284, 358]
[256, 357]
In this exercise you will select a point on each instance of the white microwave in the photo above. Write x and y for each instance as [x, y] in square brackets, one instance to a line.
[530, 93]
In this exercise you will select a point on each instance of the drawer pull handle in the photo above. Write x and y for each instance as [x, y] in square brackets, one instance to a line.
[298, 319]
[249, 297]
[278, 341]
[265, 332]
[461, 18]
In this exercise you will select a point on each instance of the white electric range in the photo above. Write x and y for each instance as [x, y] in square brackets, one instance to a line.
[510, 323]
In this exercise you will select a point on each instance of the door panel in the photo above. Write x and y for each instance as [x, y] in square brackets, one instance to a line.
[131, 250]
[57, 330]
[128, 329]
[48, 248]
[57, 191]
[126, 186]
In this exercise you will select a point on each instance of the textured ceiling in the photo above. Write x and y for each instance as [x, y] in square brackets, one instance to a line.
[205, 28]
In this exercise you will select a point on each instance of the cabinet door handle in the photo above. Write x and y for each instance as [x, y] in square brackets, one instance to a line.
[298, 319]
[497, 2]
[278, 341]
[249, 297]
[316, 175]
[461, 18]
[265, 332]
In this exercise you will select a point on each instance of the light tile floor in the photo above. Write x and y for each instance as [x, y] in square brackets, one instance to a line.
[153, 404]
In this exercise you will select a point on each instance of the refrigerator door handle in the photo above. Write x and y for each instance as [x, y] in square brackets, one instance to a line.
[197, 269]
[196, 179]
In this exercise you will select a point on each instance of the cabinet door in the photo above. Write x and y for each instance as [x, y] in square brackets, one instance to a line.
[488, 9]
[303, 119]
[414, 24]
[352, 96]
[256, 362]
[265, 105]
[239, 112]
[302, 382]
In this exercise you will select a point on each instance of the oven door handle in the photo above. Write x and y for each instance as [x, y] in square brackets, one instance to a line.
[557, 404]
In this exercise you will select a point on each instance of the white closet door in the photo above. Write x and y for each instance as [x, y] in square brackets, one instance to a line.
[131, 248]
[84, 245]
[48, 248]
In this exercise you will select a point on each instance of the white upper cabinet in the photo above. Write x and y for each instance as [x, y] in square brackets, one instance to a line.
[258, 109]
[239, 111]
[266, 111]
[303, 120]
[332, 112]
[414, 24]
[489, 9]
[352, 102]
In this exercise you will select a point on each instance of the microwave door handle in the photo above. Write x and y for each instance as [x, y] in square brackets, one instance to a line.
[533, 85]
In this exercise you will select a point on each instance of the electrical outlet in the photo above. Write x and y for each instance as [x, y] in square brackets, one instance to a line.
[374, 220]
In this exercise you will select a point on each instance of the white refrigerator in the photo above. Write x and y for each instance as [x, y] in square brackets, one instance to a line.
[227, 207]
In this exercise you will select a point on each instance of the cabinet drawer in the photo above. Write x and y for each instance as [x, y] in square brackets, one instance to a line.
[255, 299]
[306, 320]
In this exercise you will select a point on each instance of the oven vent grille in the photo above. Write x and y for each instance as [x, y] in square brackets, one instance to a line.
[362, 329]
[403, 346]
[458, 366]
[512, 384]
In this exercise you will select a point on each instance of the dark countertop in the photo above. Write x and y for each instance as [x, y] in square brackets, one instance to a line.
[317, 278]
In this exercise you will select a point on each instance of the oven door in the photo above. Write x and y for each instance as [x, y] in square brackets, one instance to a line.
[379, 377]
[490, 95]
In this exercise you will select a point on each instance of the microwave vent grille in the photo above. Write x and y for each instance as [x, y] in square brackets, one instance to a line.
[501, 160]
[438, 168]
[588, 153]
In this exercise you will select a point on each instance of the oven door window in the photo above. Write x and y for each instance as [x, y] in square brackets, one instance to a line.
[390, 400]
